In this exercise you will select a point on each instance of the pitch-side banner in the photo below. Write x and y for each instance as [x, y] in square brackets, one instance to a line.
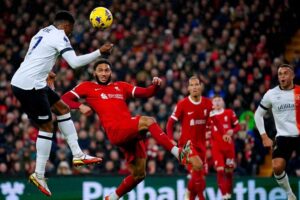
[153, 188]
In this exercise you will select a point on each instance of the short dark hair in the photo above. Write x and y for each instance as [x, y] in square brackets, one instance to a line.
[286, 65]
[101, 61]
[64, 15]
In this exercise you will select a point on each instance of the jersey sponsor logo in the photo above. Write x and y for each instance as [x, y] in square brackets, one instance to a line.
[111, 96]
[115, 96]
[194, 122]
[285, 107]
[189, 113]
[103, 96]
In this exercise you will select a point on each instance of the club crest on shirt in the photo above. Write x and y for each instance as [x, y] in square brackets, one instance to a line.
[117, 88]
[225, 118]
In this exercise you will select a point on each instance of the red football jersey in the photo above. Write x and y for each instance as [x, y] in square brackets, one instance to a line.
[229, 120]
[108, 101]
[193, 117]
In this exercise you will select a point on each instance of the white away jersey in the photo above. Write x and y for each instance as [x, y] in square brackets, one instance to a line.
[43, 51]
[285, 108]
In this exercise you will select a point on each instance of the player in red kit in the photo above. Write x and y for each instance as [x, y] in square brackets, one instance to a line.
[108, 101]
[223, 151]
[194, 113]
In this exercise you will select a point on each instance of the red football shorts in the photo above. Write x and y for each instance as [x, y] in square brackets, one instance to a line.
[133, 150]
[223, 157]
[125, 135]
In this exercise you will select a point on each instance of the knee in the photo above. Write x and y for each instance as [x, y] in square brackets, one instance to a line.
[139, 175]
[147, 121]
[47, 127]
[197, 166]
[277, 168]
[64, 109]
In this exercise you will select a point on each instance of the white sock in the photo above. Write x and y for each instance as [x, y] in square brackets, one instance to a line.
[43, 148]
[67, 128]
[175, 152]
[283, 181]
[114, 196]
[187, 195]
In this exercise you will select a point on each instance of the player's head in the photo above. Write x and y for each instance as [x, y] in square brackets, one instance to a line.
[194, 86]
[285, 76]
[218, 102]
[64, 20]
[102, 71]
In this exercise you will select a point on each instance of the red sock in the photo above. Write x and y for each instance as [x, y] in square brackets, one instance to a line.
[127, 184]
[160, 136]
[197, 184]
[192, 196]
[229, 182]
[222, 181]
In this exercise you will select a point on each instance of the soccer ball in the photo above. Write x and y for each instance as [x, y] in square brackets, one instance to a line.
[101, 18]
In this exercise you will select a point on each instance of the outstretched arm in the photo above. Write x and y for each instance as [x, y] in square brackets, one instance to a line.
[149, 91]
[77, 61]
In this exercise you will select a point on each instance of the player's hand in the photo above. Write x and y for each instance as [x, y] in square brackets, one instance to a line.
[267, 142]
[106, 49]
[86, 110]
[50, 79]
[156, 81]
[227, 138]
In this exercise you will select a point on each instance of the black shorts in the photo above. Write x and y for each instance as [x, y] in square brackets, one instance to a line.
[37, 103]
[284, 146]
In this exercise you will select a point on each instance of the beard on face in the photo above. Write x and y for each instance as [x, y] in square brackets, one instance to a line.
[103, 83]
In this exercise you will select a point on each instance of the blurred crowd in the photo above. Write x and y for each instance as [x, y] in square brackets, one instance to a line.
[233, 46]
